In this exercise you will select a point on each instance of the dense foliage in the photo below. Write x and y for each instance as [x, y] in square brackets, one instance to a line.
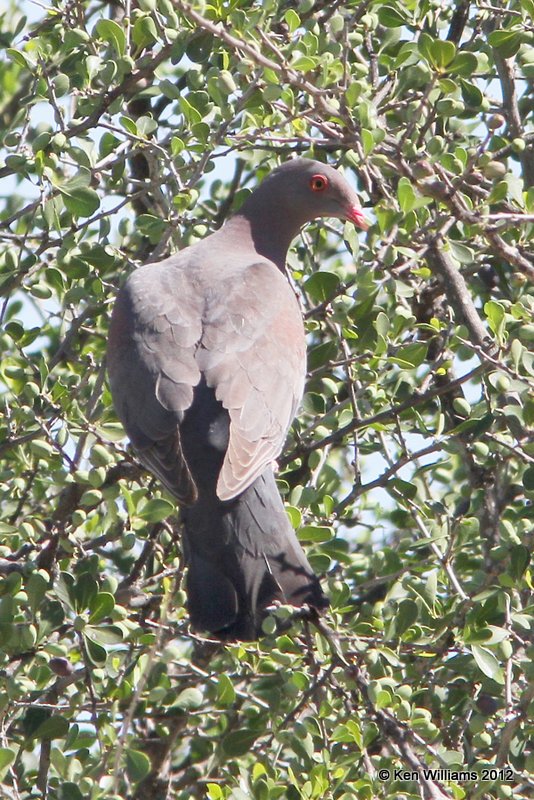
[129, 130]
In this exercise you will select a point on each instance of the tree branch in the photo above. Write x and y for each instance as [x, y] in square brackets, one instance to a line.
[388, 415]
[239, 45]
[391, 729]
[458, 21]
[457, 292]
[505, 70]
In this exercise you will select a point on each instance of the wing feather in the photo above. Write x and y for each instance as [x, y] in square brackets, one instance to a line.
[155, 328]
[242, 329]
[260, 378]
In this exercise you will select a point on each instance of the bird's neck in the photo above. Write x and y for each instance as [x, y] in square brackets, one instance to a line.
[267, 230]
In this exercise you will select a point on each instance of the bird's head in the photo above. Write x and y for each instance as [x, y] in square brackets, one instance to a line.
[309, 189]
[297, 192]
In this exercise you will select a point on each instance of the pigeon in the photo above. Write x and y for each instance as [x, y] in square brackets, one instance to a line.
[207, 362]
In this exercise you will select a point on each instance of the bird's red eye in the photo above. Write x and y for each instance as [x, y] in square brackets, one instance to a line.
[318, 183]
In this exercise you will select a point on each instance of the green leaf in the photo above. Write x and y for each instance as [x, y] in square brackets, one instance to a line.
[40, 447]
[55, 727]
[225, 691]
[431, 586]
[84, 590]
[382, 324]
[144, 32]
[397, 486]
[354, 90]
[406, 195]
[70, 791]
[499, 192]
[177, 145]
[189, 699]
[465, 64]
[462, 253]
[101, 607]
[439, 53]
[315, 533]
[471, 94]
[528, 479]
[322, 285]
[190, 113]
[390, 656]
[21, 58]
[169, 89]
[407, 614]
[239, 742]
[93, 65]
[79, 198]
[391, 17]
[507, 42]
[64, 588]
[292, 19]
[151, 226]
[411, 355]
[343, 733]
[111, 32]
[146, 126]
[128, 125]
[105, 634]
[449, 107]
[295, 516]
[156, 510]
[36, 589]
[519, 559]
[137, 765]
[443, 53]
[97, 653]
[304, 63]
[90, 498]
[495, 315]
[214, 791]
[368, 141]
[487, 663]
[7, 757]
[475, 426]
[17, 163]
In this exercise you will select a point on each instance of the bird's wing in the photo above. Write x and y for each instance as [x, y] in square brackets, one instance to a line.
[155, 329]
[244, 332]
[253, 354]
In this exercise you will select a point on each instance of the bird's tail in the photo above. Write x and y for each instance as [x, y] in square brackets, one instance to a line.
[242, 555]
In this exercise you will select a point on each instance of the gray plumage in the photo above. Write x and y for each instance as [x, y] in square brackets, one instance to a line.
[207, 362]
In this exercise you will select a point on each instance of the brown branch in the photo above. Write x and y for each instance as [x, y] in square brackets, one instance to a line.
[457, 292]
[238, 45]
[145, 71]
[458, 21]
[388, 473]
[392, 731]
[509, 253]
[510, 728]
[443, 189]
[226, 205]
[68, 502]
[44, 767]
[70, 496]
[146, 552]
[505, 70]
[388, 415]
[64, 350]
